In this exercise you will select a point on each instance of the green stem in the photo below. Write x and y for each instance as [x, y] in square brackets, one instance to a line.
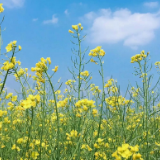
[5, 79]
[79, 80]
[58, 132]
[103, 97]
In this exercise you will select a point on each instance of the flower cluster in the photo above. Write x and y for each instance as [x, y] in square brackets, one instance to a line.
[109, 83]
[31, 101]
[97, 52]
[73, 134]
[69, 82]
[92, 60]
[20, 73]
[14, 147]
[85, 73]
[114, 101]
[157, 64]
[10, 64]
[55, 69]
[126, 151]
[99, 155]
[113, 89]
[8, 95]
[1, 8]
[86, 146]
[95, 89]
[12, 45]
[139, 57]
[75, 27]
[85, 102]
[135, 92]
[62, 103]
[2, 113]
[41, 67]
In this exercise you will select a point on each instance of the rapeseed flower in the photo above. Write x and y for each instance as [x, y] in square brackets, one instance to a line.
[137, 156]
[11, 46]
[20, 48]
[55, 69]
[1, 8]
[138, 57]
[49, 60]
[75, 27]
[97, 52]
[70, 31]
[85, 73]
[34, 154]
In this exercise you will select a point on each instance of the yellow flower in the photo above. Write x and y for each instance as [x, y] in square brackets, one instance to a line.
[55, 69]
[83, 146]
[99, 140]
[19, 47]
[75, 27]
[1, 8]
[136, 156]
[13, 147]
[135, 148]
[85, 73]
[92, 60]
[49, 60]
[34, 155]
[98, 48]
[9, 47]
[142, 52]
[94, 111]
[14, 43]
[70, 31]
[158, 144]
[20, 140]
[14, 98]
[102, 52]
[19, 63]
[79, 24]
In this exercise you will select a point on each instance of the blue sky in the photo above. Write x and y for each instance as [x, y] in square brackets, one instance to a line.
[123, 29]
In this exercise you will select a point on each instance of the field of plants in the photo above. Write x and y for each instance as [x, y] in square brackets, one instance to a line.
[83, 122]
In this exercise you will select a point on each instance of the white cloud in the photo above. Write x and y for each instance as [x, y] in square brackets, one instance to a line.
[66, 12]
[52, 21]
[151, 4]
[13, 3]
[35, 19]
[133, 29]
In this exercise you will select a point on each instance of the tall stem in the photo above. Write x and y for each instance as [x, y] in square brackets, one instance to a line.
[5, 78]
[58, 133]
[80, 63]
[103, 96]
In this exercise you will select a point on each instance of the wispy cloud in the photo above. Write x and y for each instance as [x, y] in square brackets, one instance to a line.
[66, 12]
[13, 3]
[35, 19]
[52, 21]
[151, 4]
[133, 29]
